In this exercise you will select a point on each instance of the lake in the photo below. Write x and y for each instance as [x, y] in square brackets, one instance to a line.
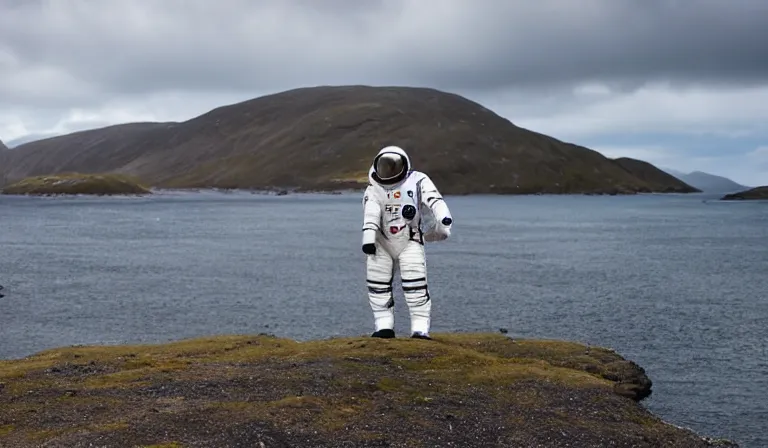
[676, 283]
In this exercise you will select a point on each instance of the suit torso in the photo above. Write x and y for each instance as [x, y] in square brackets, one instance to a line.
[394, 200]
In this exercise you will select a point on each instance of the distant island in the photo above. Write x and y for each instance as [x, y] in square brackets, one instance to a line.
[707, 182]
[469, 389]
[324, 138]
[76, 184]
[757, 193]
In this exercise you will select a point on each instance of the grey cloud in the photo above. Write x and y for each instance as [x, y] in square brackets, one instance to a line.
[626, 41]
[91, 47]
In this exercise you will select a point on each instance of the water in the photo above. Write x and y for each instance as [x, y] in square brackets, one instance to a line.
[677, 284]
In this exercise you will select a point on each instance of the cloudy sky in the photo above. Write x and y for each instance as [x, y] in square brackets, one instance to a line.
[682, 86]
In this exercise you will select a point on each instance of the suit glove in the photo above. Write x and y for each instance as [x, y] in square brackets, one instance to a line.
[369, 249]
[439, 232]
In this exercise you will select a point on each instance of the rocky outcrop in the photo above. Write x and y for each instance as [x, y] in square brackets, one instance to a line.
[458, 389]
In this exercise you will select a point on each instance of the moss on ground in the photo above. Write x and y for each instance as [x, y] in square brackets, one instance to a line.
[467, 389]
[76, 184]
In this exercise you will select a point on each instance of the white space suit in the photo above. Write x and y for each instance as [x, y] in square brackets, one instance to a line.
[402, 209]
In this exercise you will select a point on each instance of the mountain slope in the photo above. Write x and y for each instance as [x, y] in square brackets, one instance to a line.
[673, 172]
[711, 183]
[4, 161]
[28, 138]
[648, 173]
[325, 137]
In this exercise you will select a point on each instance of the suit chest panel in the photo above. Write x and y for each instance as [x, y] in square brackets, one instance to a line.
[395, 199]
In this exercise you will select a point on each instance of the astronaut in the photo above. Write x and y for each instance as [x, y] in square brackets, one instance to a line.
[402, 209]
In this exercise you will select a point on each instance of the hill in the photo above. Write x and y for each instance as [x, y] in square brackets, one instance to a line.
[757, 193]
[325, 138]
[708, 183]
[673, 172]
[4, 162]
[76, 184]
[29, 138]
[650, 175]
[469, 390]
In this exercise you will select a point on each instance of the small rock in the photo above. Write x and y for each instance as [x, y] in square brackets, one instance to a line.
[631, 390]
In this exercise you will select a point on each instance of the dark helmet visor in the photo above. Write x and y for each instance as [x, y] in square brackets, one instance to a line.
[389, 166]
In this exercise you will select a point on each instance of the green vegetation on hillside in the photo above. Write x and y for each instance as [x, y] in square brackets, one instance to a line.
[757, 193]
[467, 389]
[75, 184]
[324, 138]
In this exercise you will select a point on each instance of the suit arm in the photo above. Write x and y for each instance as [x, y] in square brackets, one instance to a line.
[432, 198]
[371, 217]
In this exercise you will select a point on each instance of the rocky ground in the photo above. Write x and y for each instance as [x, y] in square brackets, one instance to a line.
[463, 390]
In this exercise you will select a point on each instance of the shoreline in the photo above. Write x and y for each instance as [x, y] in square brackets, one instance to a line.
[159, 191]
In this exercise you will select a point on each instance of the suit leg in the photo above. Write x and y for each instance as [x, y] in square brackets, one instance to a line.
[413, 272]
[379, 272]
